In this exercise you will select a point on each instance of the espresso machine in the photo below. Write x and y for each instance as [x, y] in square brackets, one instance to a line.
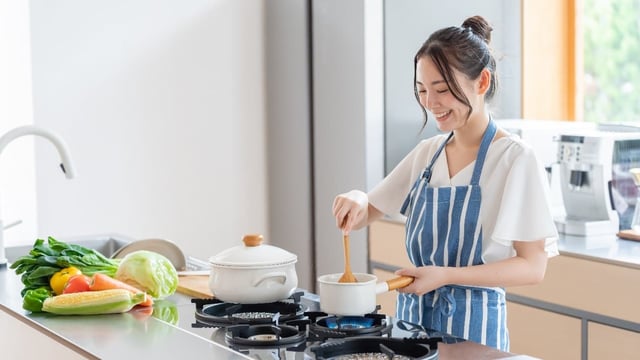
[598, 190]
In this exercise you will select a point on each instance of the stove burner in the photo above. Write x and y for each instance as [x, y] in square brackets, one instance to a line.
[216, 313]
[263, 337]
[291, 333]
[253, 315]
[347, 322]
[370, 356]
[326, 326]
[371, 347]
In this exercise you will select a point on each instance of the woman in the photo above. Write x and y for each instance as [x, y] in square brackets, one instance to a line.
[475, 198]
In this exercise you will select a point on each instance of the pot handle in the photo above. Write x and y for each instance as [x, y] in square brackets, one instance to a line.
[281, 275]
[393, 284]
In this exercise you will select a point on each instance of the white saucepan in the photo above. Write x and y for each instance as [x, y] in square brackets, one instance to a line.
[353, 299]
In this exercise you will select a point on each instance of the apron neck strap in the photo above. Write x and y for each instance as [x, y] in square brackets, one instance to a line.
[427, 171]
[482, 153]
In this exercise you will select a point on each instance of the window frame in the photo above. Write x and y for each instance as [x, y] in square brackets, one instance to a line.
[551, 60]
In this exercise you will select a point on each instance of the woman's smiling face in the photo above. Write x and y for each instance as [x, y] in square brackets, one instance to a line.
[435, 96]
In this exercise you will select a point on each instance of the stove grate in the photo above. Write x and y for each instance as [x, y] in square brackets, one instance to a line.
[216, 313]
[294, 332]
[377, 347]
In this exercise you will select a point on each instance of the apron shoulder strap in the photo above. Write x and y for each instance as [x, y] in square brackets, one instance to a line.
[482, 153]
[427, 171]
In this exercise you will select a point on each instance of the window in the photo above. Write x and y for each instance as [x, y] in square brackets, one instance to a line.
[581, 60]
[611, 60]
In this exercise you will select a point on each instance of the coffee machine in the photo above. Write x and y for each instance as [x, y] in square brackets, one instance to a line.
[542, 136]
[597, 188]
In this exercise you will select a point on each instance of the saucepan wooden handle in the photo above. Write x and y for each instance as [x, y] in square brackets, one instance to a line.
[399, 282]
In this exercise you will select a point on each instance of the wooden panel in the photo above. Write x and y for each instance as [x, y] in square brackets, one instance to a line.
[387, 300]
[542, 333]
[592, 286]
[386, 243]
[606, 342]
[548, 59]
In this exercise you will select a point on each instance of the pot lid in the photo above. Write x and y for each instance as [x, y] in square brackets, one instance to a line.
[253, 253]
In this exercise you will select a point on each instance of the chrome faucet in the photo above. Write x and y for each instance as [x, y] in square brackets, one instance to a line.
[65, 158]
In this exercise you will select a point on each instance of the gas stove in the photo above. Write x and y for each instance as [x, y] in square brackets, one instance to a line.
[295, 328]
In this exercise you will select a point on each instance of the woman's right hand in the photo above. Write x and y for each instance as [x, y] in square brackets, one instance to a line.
[350, 210]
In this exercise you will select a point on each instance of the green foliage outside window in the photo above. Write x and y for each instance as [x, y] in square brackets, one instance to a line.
[611, 60]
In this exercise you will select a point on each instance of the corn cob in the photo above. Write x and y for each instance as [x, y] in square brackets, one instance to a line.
[93, 302]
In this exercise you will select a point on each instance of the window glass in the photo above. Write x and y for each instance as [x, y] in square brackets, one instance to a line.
[611, 61]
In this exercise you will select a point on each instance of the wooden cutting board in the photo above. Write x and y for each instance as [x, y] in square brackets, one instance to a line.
[196, 286]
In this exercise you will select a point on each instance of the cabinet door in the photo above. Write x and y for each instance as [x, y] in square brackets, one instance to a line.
[386, 244]
[21, 341]
[600, 288]
[606, 342]
[543, 334]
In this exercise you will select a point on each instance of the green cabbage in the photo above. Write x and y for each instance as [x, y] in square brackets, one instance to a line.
[150, 272]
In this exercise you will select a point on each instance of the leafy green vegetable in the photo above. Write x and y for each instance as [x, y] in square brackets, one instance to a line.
[34, 298]
[150, 272]
[46, 258]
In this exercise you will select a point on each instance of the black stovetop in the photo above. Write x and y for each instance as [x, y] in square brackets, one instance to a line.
[301, 331]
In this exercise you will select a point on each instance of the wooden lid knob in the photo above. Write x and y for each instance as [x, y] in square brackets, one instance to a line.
[252, 240]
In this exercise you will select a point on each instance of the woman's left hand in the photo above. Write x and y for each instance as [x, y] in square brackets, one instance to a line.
[427, 278]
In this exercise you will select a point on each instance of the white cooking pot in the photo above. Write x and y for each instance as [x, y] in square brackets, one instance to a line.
[354, 299]
[253, 273]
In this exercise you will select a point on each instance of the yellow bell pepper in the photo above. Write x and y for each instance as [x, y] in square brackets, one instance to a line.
[59, 279]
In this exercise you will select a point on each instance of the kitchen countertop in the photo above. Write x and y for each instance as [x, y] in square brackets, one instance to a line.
[165, 335]
[129, 335]
[607, 249]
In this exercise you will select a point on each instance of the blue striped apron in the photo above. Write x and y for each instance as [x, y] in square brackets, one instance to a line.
[443, 229]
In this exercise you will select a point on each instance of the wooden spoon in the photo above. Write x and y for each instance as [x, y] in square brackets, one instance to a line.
[348, 276]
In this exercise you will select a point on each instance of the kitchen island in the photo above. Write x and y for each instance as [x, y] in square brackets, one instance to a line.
[166, 334]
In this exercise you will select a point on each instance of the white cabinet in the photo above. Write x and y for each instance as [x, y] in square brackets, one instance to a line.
[21, 341]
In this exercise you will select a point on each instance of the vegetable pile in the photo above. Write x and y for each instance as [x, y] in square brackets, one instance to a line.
[70, 279]
[46, 259]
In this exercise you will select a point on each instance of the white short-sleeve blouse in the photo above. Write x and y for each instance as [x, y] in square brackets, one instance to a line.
[514, 188]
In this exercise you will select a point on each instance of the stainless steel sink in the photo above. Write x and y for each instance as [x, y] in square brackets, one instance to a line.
[105, 244]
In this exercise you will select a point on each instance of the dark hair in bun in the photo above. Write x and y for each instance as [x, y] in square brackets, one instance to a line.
[480, 27]
[464, 48]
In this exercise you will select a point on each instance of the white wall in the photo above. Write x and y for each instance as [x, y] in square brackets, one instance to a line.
[17, 169]
[162, 106]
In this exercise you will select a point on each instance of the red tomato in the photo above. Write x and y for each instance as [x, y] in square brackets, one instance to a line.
[77, 283]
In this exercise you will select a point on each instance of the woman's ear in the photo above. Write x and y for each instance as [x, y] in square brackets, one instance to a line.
[484, 81]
